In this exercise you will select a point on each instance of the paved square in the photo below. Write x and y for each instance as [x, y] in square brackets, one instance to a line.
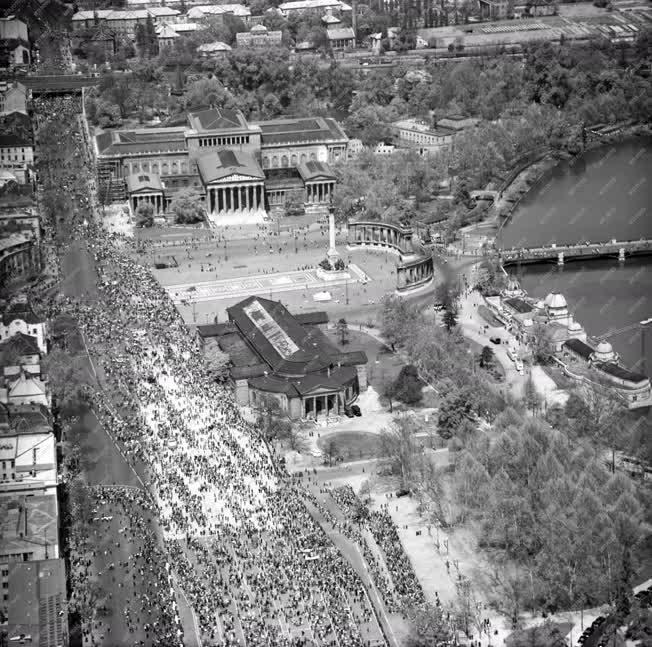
[261, 284]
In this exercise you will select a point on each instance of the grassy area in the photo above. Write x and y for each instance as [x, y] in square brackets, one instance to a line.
[382, 363]
[488, 316]
[352, 445]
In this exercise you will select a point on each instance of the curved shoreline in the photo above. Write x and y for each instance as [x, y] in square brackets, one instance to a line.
[550, 161]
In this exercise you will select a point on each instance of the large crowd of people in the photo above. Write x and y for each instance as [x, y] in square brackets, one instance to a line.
[274, 577]
[119, 548]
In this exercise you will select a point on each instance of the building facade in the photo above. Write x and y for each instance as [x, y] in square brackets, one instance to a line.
[16, 156]
[20, 259]
[277, 355]
[266, 160]
[13, 98]
[122, 21]
[259, 36]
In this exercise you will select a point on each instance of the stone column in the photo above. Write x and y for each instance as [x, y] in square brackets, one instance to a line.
[332, 251]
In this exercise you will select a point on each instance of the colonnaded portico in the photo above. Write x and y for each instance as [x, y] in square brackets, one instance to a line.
[414, 273]
[247, 196]
[234, 184]
[380, 234]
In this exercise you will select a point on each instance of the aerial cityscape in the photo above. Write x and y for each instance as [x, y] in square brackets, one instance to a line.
[325, 324]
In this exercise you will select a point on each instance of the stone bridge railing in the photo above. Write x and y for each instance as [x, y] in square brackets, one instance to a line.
[562, 253]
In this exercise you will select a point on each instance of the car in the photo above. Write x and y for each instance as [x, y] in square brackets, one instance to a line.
[348, 413]
[402, 492]
[495, 340]
[356, 410]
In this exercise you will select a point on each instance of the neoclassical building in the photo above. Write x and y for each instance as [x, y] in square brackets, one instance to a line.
[236, 165]
[275, 354]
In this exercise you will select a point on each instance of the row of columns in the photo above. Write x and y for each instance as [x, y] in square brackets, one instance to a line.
[309, 404]
[249, 197]
[414, 274]
[380, 234]
[317, 192]
[155, 199]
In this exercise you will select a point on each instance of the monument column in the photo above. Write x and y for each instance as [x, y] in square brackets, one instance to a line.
[333, 254]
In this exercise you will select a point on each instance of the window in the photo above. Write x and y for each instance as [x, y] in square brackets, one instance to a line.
[284, 161]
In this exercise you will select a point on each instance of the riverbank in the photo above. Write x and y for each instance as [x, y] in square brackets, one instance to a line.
[529, 179]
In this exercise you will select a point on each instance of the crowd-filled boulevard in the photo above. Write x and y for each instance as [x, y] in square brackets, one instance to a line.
[245, 541]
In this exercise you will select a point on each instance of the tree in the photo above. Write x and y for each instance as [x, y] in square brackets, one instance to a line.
[398, 318]
[388, 391]
[217, 362]
[453, 411]
[342, 330]
[450, 319]
[531, 398]
[271, 419]
[408, 387]
[331, 451]
[69, 380]
[541, 344]
[145, 215]
[486, 357]
[399, 446]
[187, 208]
[428, 626]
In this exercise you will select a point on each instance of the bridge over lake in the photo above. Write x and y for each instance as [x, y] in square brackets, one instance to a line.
[561, 254]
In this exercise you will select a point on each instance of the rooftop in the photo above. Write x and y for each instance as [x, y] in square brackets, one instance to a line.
[302, 5]
[579, 347]
[281, 340]
[305, 129]
[37, 602]
[17, 345]
[312, 170]
[143, 182]
[142, 140]
[519, 305]
[620, 372]
[125, 14]
[216, 119]
[217, 46]
[340, 33]
[21, 310]
[218, 165]
[28, 524]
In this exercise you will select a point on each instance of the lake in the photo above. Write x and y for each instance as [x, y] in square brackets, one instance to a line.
[603, 195]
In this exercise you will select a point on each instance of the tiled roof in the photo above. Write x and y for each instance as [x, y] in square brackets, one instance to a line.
[23, 311]
[308, 129]
[20, 344]
[288, 347]
[12, 141]
[144, 181]
[216, 119]
[218, 165]
[340, 33]
[312, 170]
[579, 347]
[620, 372]
[155, 140]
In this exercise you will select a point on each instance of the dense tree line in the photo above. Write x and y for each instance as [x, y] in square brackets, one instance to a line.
[552, 510]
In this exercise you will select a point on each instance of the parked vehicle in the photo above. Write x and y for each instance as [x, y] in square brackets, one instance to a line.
[356, 410]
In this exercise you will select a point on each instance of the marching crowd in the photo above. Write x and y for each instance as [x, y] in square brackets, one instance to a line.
[279, 578]
[147, 603]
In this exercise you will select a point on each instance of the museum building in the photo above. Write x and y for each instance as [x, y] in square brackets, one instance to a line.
[274, 353]
[237, 166]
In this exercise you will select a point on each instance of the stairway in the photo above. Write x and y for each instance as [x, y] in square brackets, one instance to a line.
[111, 189]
